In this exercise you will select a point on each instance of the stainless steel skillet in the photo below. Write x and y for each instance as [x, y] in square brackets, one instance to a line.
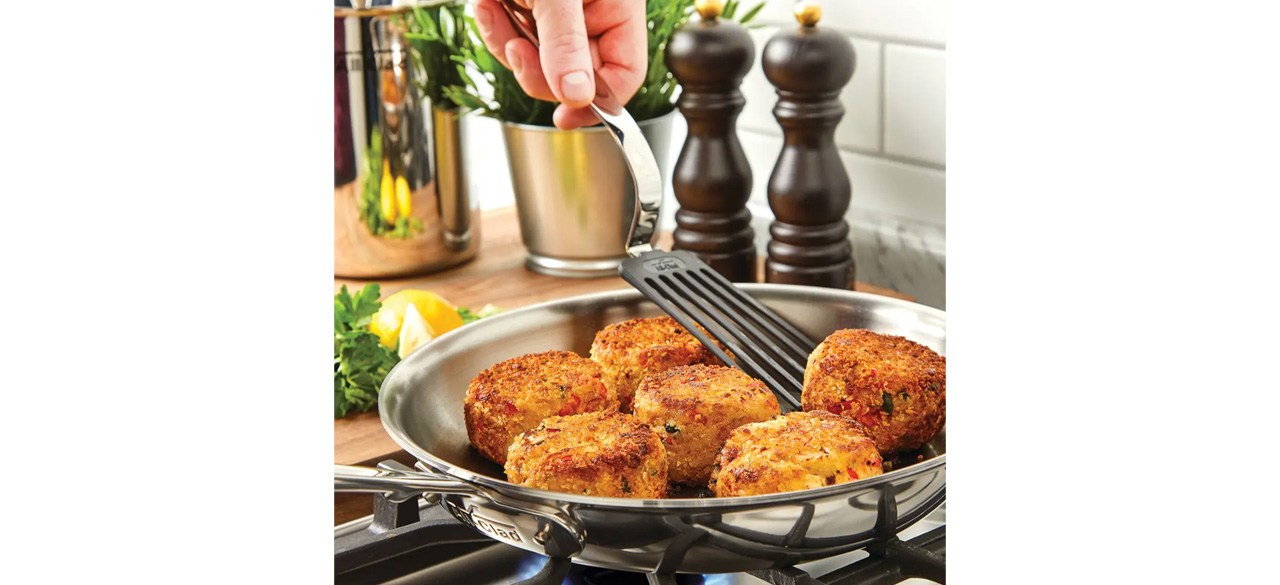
[421, 409]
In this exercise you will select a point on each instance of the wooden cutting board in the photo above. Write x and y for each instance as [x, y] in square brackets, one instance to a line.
[497, 275]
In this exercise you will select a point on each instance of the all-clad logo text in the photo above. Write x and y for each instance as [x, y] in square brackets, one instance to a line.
[664, 264]
[486, 525]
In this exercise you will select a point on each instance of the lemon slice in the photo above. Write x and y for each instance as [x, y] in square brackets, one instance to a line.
[435, 310]
[414, 332]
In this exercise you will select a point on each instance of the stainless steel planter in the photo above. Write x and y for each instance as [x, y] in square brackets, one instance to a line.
[574, 195]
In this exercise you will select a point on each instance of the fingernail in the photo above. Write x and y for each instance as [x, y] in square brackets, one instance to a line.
[513, 58]
[575, 86]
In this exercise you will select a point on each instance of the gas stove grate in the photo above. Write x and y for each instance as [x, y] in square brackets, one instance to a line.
[404, 537]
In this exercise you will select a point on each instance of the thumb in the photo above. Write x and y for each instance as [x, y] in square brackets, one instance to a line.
[565, 53]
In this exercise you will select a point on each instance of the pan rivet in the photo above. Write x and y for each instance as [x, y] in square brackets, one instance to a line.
[542, 535]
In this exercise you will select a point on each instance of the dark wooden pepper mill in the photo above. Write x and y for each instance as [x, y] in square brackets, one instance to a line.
[809, 188]
[712, 179]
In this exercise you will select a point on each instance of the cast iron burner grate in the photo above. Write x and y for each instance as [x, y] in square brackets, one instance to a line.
[408, 537]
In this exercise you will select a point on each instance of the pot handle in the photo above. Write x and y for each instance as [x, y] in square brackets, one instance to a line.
[398, 486]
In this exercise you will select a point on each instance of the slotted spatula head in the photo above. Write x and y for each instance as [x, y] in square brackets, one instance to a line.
[760, 342]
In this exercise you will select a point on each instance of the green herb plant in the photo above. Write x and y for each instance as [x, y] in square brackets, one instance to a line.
[505, 100]
[436, 34]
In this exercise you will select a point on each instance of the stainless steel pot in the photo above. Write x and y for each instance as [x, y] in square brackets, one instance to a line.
[421, 409]
[401, 199]
[574, 195]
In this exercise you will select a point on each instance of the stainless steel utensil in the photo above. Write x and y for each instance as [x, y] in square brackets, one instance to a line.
[421, 408]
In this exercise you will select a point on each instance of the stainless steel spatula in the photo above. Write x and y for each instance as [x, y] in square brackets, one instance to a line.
[760, 342]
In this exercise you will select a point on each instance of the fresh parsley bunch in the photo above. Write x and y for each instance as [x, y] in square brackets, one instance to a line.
[360, 362]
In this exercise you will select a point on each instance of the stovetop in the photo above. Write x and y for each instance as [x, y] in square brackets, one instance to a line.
[421, 543]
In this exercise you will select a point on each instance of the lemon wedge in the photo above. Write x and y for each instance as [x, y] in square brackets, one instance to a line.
[414, 332]
[441, 316]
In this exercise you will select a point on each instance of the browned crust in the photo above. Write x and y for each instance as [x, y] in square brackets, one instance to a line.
[895, 387]
[796, 451]
[513, 396]
[598, 453]
[630, 350]
[694, 408]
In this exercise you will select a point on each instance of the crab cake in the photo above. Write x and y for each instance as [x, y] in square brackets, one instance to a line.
[595, 454]
[513, 396]
[895, 387]
[630, 350]
[693, 409]
[797, 451]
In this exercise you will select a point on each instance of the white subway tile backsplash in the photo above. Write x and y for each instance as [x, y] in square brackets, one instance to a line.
[919, 21]
[762, 152]
[860, 126]
[775, 12]
[915, 110]
[760, 95]
[908, 191]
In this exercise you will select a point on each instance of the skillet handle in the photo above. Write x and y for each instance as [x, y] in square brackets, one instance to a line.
[398, 486]
[558, 532]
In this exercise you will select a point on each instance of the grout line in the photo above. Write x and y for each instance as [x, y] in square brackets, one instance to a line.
[906, 160]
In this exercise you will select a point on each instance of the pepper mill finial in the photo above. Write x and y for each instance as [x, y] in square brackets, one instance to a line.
[809, 188]
[712, 178]
[807, 12]
[709, 9]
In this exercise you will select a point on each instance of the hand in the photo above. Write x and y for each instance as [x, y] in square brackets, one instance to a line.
[579, 38]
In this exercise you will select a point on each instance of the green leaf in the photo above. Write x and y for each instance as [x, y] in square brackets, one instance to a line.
[467, 315]
[751, 14]
[886, 403]
[730, 6]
